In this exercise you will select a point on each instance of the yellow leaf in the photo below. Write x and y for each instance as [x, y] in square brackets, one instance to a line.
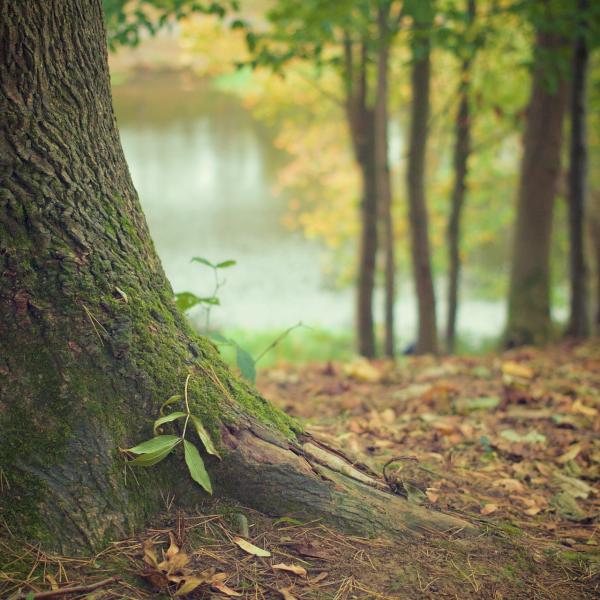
[190, 584]
[173, 548]
[286, 594]
[582, 409]
[297, 570]
[362, 370]
[514, 369]
[52, 581]
[221, 587]
[570, 454]
[150, 557]
[488, 509]
[246, 546]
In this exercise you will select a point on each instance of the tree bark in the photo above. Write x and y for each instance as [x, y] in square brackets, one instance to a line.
[578, 326]
[529, 318]
[462, 151]
[384, 187]
[91, 343]
[361, 121]
[421, 254]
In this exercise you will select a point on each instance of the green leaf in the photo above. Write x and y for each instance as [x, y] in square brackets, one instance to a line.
[186, 300]
[203, 261]
[204, 436]
[246, 364]
[151, 458]
[171, 400]
[226, 263]
[156, 444]
[168, 418]
[196, 466]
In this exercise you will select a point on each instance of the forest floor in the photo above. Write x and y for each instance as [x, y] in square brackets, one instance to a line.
[510, 442]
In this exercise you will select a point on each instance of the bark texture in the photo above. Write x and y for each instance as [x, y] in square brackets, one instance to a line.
[361, 120]
[91, 343]
[578, 326]
[384, 186]
[419, 228]
[529, 319]
[462, 151]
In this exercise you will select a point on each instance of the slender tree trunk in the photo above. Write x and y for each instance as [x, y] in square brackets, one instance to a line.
[361, 120]
[421, 254]
[384, 188]
[529, 319]
[91, 343]
[578, 321]
[462, 151]
[594, 230]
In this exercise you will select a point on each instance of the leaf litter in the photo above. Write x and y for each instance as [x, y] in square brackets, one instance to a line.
[511, 442]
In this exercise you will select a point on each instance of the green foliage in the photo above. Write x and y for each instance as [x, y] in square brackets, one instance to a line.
[126, 19]
[156, 449]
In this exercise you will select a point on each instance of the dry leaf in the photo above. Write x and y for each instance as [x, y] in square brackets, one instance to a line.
[286, 594]
[318, 578]
[310, 550]
[296, 569]
[150, 557]
[514, 369]
[432, 494]
[570, 454]
[173, 547]
[582, 409]
[52, 581]
[362, 370]
[217, 583]
[246, 546]
[488, 508]
[190, 584]
[510, 485]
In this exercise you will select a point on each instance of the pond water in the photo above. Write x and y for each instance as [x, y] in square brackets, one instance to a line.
[205, 173]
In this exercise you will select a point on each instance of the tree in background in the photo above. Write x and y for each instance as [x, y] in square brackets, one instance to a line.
[586, 25]
[353, 37]
[529, 318]
[422, 13]
[462, 151]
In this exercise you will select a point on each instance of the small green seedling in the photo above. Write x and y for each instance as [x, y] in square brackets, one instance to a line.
[152, 451]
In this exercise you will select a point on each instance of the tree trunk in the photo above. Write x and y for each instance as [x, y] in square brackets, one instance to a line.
[421, 254]
[594, 232]
[361, 120]
[578, 326]
[91, 343]
[529, 319]
[462, 151]
[384, 188]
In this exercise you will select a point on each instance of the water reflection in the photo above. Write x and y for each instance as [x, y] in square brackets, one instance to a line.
[205, 170]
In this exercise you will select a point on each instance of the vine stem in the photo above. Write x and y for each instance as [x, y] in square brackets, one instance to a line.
[187, 406]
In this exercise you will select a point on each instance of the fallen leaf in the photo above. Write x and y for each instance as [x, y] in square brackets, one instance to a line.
[218, 583]
[318, 578]
[432, 494]
[297, 570]
[150, 557]
[510, 485]
[514, 369]
[310, 550]
[246, 546]
[173, 547]
[52, 581]
[286, 594]
[362, 370]
[570, 454]
[488, 509]
[582, 409]
[189, 585]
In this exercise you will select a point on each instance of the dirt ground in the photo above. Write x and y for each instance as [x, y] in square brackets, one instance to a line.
[510, 442]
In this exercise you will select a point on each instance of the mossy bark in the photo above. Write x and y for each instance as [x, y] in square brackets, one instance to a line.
[91, 343]
[529, 319]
